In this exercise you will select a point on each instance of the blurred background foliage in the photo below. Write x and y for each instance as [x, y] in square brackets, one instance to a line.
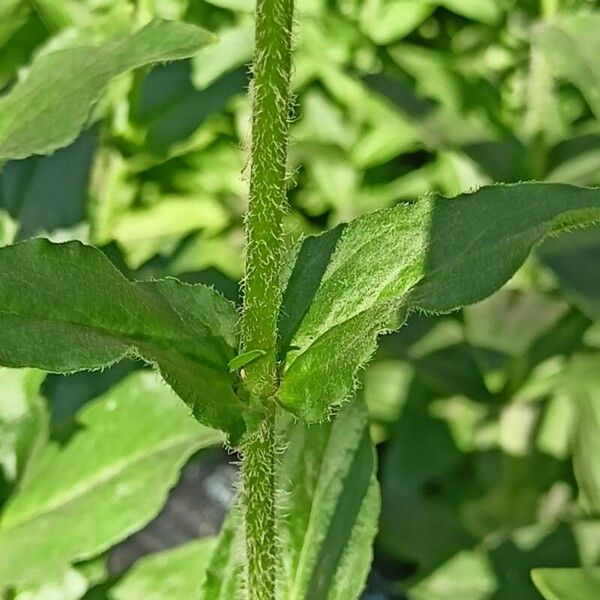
[487, 419]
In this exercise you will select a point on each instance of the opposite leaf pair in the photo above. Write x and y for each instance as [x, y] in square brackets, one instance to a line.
[64, 307]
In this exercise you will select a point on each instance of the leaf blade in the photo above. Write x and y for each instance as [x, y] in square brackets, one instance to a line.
[65, 308]
[434, 255]
[111, 478]
[567, 584]
[38, 116]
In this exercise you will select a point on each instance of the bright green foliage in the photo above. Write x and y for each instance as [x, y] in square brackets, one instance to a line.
[568, 584]
[111, 478]
[327, 513]
[88, 316]
[584, 384]
[23, 421]
[173, 574]
[39, 115]
[467, 575]
[435, 255]
[70, 585]
[571, 47]
[331, 517]
[479, 412]
[225, 572]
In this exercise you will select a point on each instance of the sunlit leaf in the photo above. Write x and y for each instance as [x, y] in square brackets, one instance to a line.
[328, 510]
[568, 584]
[40, 115]
[435, 256]
[110, 479]
[172, 574]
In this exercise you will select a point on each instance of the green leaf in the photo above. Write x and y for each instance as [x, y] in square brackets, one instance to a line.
[142, 233]
[70, 585]
[65, 308]
[233, 49]
[108, 481]
[571, 46]
[435, 255]
[486, 11]
[467, 575]
[173, 574]
[23, 420]
[574, 258]
[47, 193]
[568, 584]
[224, 572]
[328, 511]
[48, 109]
[244, 359]
[385, 21]
[583, 383]
[330, 500]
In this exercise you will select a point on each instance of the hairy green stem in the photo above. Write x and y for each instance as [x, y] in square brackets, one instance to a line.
[262, 296]
[258, 502]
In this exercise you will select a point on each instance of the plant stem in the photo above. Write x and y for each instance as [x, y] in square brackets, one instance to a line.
[258, 502]
[262, 296]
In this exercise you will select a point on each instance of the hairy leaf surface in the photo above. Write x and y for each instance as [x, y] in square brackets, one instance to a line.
[110, 479]
[435, 255]
[328, 513]
[65, 308]
[48, 109]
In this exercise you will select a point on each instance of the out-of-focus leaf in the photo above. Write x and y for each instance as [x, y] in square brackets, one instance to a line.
[170, 109]
[169, 575]
[23, 420]
[513, 331]
[8, 229]
[468, 575]
[224, 572]
[575, 260]
[327, 517]
[70, 585]
[46, 193]
[142, 233]
[486, 11]
[435, 255]
[38, 116]
[65, 308]
[570, 46]
[59, 14]
[420, 456]
[584, 384]
[233, 49]
[109, 480]
[568, 584]
[389, 20]
[242, 5]
[511, 320]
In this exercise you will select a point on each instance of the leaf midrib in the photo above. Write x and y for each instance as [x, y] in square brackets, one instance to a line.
[129, 339]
